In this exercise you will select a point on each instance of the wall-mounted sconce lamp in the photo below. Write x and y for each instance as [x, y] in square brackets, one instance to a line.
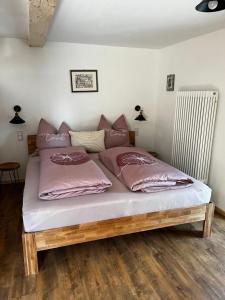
[211, 6]
[16, 119]
[140, 117]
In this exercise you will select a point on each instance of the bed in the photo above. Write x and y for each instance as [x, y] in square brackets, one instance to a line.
[52, 224]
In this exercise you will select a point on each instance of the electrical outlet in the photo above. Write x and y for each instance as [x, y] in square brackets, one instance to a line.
[19, 136]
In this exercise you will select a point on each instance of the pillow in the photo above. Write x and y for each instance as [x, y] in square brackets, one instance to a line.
[92, 141]
[64, 131]
[104, 123]
[117, 134]
[49, 137]
[120, 124]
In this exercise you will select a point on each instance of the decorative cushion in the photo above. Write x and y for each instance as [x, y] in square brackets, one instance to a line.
[64, 131]
[120, 124]
[49, 137]
[104, 123]
[92, 141]
[117, 134]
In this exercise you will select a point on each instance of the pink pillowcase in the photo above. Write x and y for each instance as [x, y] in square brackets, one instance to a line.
[117, 134]
[49, 137]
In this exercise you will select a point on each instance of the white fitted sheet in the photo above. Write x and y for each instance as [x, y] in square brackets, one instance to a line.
[117, 202]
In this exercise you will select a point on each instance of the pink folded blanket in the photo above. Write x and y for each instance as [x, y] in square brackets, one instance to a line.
[68, 172]
[140, 171]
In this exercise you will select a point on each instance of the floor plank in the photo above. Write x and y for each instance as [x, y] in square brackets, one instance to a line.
[173, 263]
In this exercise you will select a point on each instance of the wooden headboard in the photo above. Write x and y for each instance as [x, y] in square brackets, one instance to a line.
[31, 141]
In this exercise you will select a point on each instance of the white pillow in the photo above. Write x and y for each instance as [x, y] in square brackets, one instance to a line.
[92, 141]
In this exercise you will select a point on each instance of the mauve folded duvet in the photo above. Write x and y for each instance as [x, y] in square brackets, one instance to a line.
[69, 172]
[140, 171]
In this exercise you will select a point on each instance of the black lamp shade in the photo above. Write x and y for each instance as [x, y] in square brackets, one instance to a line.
[16, 119]
[140, 117]
[204, 6]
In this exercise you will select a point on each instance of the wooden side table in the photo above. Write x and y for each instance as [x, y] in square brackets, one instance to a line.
[12, 169]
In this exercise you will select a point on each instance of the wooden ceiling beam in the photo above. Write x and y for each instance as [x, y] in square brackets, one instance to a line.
[41, 13]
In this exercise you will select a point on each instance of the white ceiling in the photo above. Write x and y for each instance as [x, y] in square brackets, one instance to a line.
[131, 23]
[14, 18]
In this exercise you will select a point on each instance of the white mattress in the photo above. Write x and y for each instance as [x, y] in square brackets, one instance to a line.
[117, 202]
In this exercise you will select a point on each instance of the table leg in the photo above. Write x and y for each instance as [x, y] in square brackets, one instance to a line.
[14, 176]
[18, 177]
[1, 175]
[10, 175]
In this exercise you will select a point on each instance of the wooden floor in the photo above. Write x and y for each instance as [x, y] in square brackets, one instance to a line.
[164, 264]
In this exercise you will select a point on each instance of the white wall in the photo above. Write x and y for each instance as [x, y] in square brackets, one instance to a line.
[38, 80]
[198, 64]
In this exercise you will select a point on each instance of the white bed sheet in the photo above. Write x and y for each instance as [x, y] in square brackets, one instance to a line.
[117, 202]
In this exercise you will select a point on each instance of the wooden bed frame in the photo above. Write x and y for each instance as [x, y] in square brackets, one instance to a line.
[70, 235]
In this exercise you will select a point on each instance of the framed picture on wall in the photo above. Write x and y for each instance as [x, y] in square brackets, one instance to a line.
[170, 82]
[84, 81]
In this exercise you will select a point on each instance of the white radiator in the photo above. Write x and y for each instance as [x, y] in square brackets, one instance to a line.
[193, 132]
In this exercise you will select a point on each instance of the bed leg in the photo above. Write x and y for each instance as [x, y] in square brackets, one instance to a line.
[30, 254]
[207, 226]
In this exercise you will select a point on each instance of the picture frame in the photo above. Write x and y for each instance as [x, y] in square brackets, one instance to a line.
[83, 81]
[170, 82]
